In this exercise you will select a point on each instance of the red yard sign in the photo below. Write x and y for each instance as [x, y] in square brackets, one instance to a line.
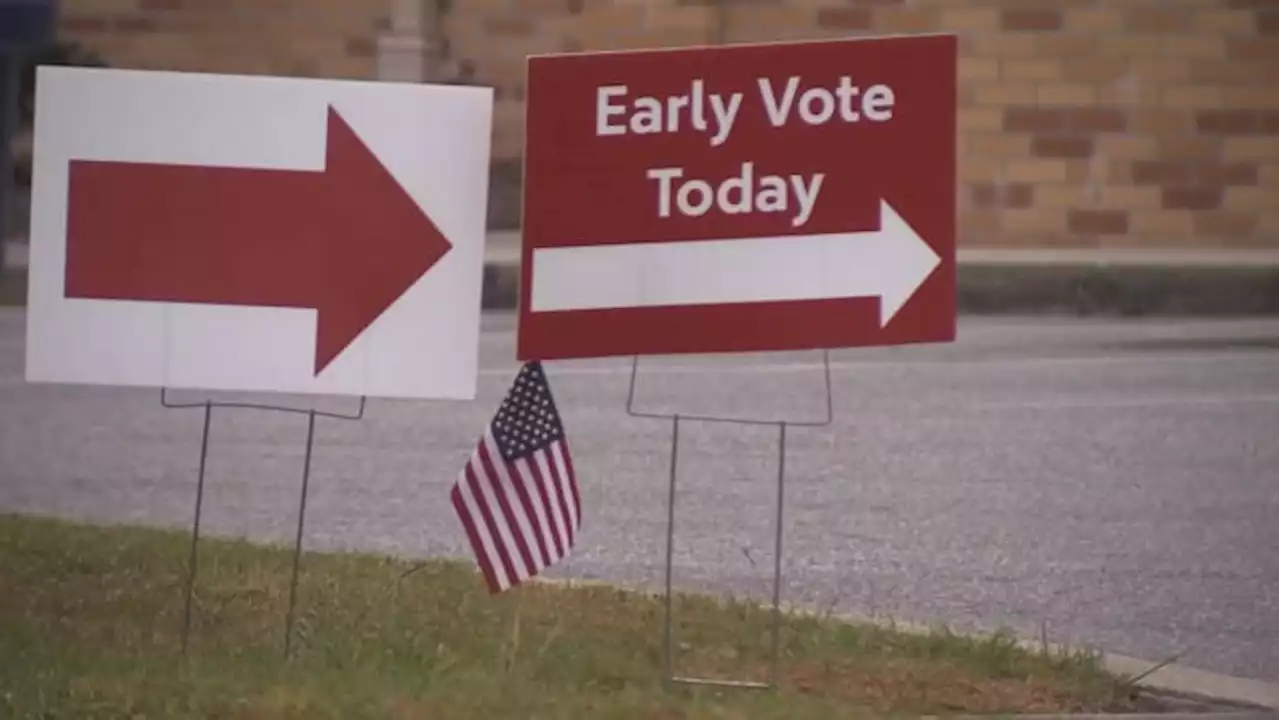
[740, 198]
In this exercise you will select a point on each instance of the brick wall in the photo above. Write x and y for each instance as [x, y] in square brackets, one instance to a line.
[1082, 122]
[321, 38]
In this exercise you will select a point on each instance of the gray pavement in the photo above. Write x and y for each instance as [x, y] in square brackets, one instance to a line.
[1114, 480]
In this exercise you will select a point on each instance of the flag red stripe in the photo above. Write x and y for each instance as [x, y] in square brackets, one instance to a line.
[477, 547]
[559, 523]
[487, 515]
[527, 503]
[538, 485]
[557, 492]
[573, 482]
[500, 492]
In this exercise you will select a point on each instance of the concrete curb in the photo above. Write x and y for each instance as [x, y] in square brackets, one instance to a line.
[1249, 698]
[1008, 285]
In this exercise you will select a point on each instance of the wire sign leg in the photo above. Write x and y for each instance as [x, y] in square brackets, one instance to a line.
[297, 543]
[668, 662]
[775, 630]
[208, 406]
[777, 555]
[775, 633]
[195, 527]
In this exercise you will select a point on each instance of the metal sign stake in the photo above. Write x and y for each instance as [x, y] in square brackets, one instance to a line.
[192, 565]
[668, 642]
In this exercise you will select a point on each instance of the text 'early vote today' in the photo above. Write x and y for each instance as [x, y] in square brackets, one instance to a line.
[783, 103]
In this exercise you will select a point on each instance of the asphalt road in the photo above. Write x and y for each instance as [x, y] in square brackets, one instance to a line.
[1115, 480]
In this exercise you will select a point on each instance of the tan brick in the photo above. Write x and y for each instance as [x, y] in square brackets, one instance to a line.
[1004, 195]
[1216, 71]
[1233, 174]
[978, 69]
[1268, 224]
[1033, 119]
[998, 145]
[999, 45]
[980, 169]
[601, 19]
[681, 17]
[1056, 94]
[1092, 20]
[1132, 95]
[1028, 45]
[1230, 22]
[1163, 172]
[979, 118]
[845, 18]
[1267, 175]
[1118, 172]
[979, 226]
[1262, 148]
[1235, 122]
[1191, 147]
[1162, 69]
[1062, 146]
[1250, 198]
[1074, 119]
[1031, 68]
[1200, 46]
[1031, 19]
[1130, 198]
[1065, 45]
[1058, 195]
[1034, 220]
[1085, 170]
[1161, 122]
[1253, 98]
[642, 39]
[1095, 69]
[961, 19]
[1162, 222]
[1192, 97]
[1129, 45]
[1158, 19]
[1035, 171]
[1257, 50]
[904, 20]
[1225, 223]
[1098, 222]
[1005, 93]
[1126, 146]
[1098, 120]
[766, 23]
[1191, 198]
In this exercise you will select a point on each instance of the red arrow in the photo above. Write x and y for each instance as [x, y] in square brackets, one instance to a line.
[346, 241]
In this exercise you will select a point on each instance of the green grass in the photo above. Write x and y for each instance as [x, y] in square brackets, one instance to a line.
[90, 621]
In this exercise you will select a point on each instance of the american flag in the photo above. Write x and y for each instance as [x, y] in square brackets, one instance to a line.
[517, 497]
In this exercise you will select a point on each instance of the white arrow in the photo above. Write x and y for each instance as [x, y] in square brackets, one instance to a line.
[890, 263]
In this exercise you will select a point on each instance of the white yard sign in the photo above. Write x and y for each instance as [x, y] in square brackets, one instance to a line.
[253, 233]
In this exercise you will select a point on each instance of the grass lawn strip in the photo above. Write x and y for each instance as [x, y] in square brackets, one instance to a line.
[90, 621]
